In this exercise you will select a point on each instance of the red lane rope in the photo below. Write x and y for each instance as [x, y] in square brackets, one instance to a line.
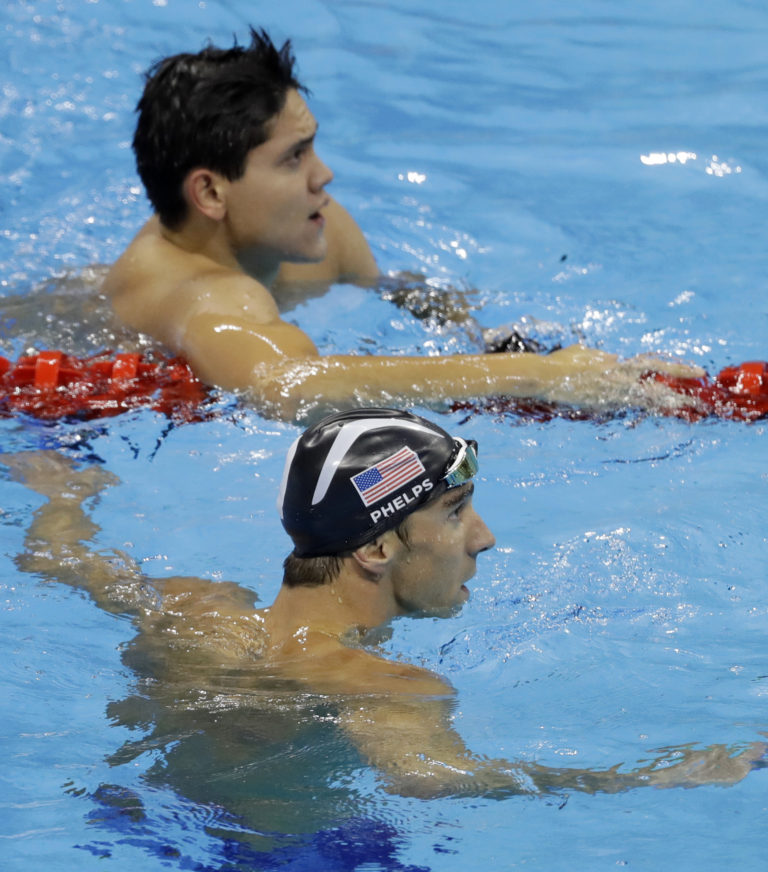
[737, 392]
[52, 385]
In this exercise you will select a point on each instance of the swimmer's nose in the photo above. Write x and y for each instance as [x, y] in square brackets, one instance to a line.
[322, 175]
[482, 538]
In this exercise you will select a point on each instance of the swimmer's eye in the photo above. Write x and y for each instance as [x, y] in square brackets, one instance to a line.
[294, 157]
[459, 503]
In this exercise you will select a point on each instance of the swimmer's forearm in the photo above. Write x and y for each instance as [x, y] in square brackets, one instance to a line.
[412, 742]
[684, 767]
[292, 383]
[58, 547]
[434, 761]
[575, 375]
[465, 776]
[679, 767]
[497, 779]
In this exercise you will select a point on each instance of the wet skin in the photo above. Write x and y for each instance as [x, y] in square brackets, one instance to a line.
[444, 539]
[276, 206]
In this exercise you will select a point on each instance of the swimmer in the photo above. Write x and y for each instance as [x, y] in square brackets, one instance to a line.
[225, 147]
[379, 507]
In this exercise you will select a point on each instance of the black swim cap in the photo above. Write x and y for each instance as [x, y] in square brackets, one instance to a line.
[359, 473]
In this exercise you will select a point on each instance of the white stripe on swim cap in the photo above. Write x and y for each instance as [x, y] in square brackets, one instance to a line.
[345, 439]
[286, 469]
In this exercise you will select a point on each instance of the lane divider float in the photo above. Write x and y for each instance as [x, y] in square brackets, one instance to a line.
[52, 385]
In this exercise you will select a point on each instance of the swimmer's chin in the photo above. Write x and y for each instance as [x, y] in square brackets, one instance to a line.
[450, 611]
[446, 611]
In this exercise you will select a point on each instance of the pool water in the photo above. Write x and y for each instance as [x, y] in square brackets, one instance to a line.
[592, 171]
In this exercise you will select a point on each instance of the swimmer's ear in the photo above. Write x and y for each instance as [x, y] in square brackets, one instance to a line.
[375, 557]
[204, 190]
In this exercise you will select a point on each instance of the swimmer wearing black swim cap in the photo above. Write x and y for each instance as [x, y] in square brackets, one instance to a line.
[359, 473]
[383, 496]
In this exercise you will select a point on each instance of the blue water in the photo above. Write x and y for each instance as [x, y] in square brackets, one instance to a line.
[594, 171]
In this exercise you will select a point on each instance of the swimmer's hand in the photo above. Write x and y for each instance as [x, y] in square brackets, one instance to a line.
[582, 376]
[55, 476]
[718, 764]
[581, 359]
[441, 305]
[684, 766]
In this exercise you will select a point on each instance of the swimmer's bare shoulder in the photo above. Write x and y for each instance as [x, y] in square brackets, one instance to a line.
[155, 285]
[327, 665]
[349, 257]
[224, 322]
[220, 617]
[217, 617]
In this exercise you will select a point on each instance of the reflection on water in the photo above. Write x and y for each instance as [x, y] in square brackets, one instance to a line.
[275, 761]
[352, 844]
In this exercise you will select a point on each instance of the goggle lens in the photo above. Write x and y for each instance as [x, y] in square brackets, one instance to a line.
[465, 464]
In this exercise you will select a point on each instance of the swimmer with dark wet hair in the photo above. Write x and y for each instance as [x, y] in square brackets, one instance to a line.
[379, 506]
[225, 146]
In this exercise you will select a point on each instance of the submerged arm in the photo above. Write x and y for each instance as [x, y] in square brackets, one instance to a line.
[411, 740]
[59, 541]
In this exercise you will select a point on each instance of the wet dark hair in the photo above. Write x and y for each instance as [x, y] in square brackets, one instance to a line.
[316, 571]
[312, 571]
[207, 110]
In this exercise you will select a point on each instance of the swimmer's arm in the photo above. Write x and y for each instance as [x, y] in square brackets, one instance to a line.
[576, 375]
[350, 259]
[398, 716]
[412, 742]
[60, 546]
[59, 542]
[441, 305]
[409, 739]
[281, 366]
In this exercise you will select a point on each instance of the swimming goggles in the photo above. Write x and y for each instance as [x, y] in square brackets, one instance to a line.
[464, 465]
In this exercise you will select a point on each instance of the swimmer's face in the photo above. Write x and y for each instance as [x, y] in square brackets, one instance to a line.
[444, 539]
[276, 207]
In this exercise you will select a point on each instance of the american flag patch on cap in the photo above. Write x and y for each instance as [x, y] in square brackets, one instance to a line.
[387, 476]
